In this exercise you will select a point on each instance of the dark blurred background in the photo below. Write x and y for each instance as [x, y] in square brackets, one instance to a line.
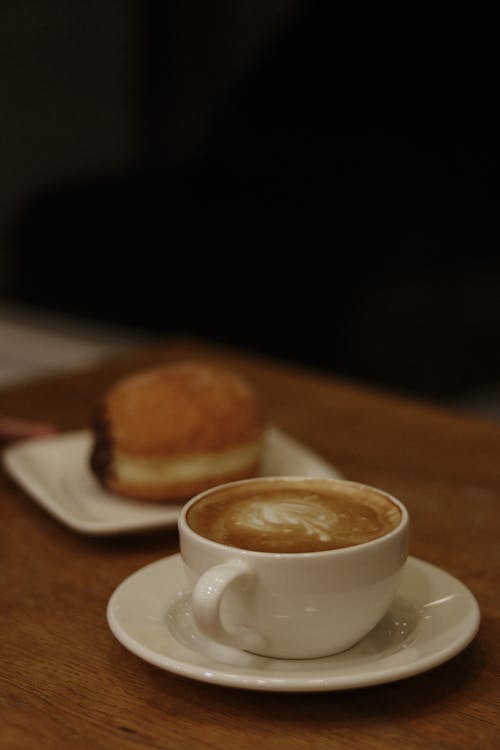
[307, 181]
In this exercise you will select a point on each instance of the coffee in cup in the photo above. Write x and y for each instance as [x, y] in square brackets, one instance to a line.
[286, 517]
[292, 567]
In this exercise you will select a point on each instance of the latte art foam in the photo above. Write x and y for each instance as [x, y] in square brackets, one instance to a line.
[304, 516]
[282, 516]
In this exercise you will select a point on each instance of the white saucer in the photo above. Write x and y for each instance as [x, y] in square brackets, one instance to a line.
[54, 471]
[431, 620]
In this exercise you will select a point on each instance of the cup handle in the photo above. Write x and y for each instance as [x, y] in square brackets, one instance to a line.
[207, 597]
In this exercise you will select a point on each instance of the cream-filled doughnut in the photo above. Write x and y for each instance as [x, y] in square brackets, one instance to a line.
[174, 430]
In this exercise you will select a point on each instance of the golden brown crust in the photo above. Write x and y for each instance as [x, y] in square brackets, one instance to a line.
[176, 411]
[175, 492]
[182, 408]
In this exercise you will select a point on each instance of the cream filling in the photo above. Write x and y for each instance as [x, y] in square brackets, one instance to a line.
[158, 469]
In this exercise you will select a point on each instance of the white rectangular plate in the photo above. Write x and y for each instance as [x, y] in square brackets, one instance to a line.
[54, 471]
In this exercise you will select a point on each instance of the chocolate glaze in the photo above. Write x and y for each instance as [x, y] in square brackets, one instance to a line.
[100, 457]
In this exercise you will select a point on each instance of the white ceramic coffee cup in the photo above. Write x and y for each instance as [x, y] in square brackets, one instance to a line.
[291, 605]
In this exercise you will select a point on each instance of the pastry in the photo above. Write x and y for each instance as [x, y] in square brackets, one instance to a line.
[172, 431]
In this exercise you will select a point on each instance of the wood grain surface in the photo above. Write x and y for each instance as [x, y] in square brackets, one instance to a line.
[65, 682]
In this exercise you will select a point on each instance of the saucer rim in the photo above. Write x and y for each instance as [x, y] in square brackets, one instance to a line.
[238, 677]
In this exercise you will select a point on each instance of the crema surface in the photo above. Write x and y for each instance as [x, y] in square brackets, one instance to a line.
[305, 516]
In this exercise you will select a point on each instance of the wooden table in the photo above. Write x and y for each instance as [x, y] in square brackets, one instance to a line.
[67, 683]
